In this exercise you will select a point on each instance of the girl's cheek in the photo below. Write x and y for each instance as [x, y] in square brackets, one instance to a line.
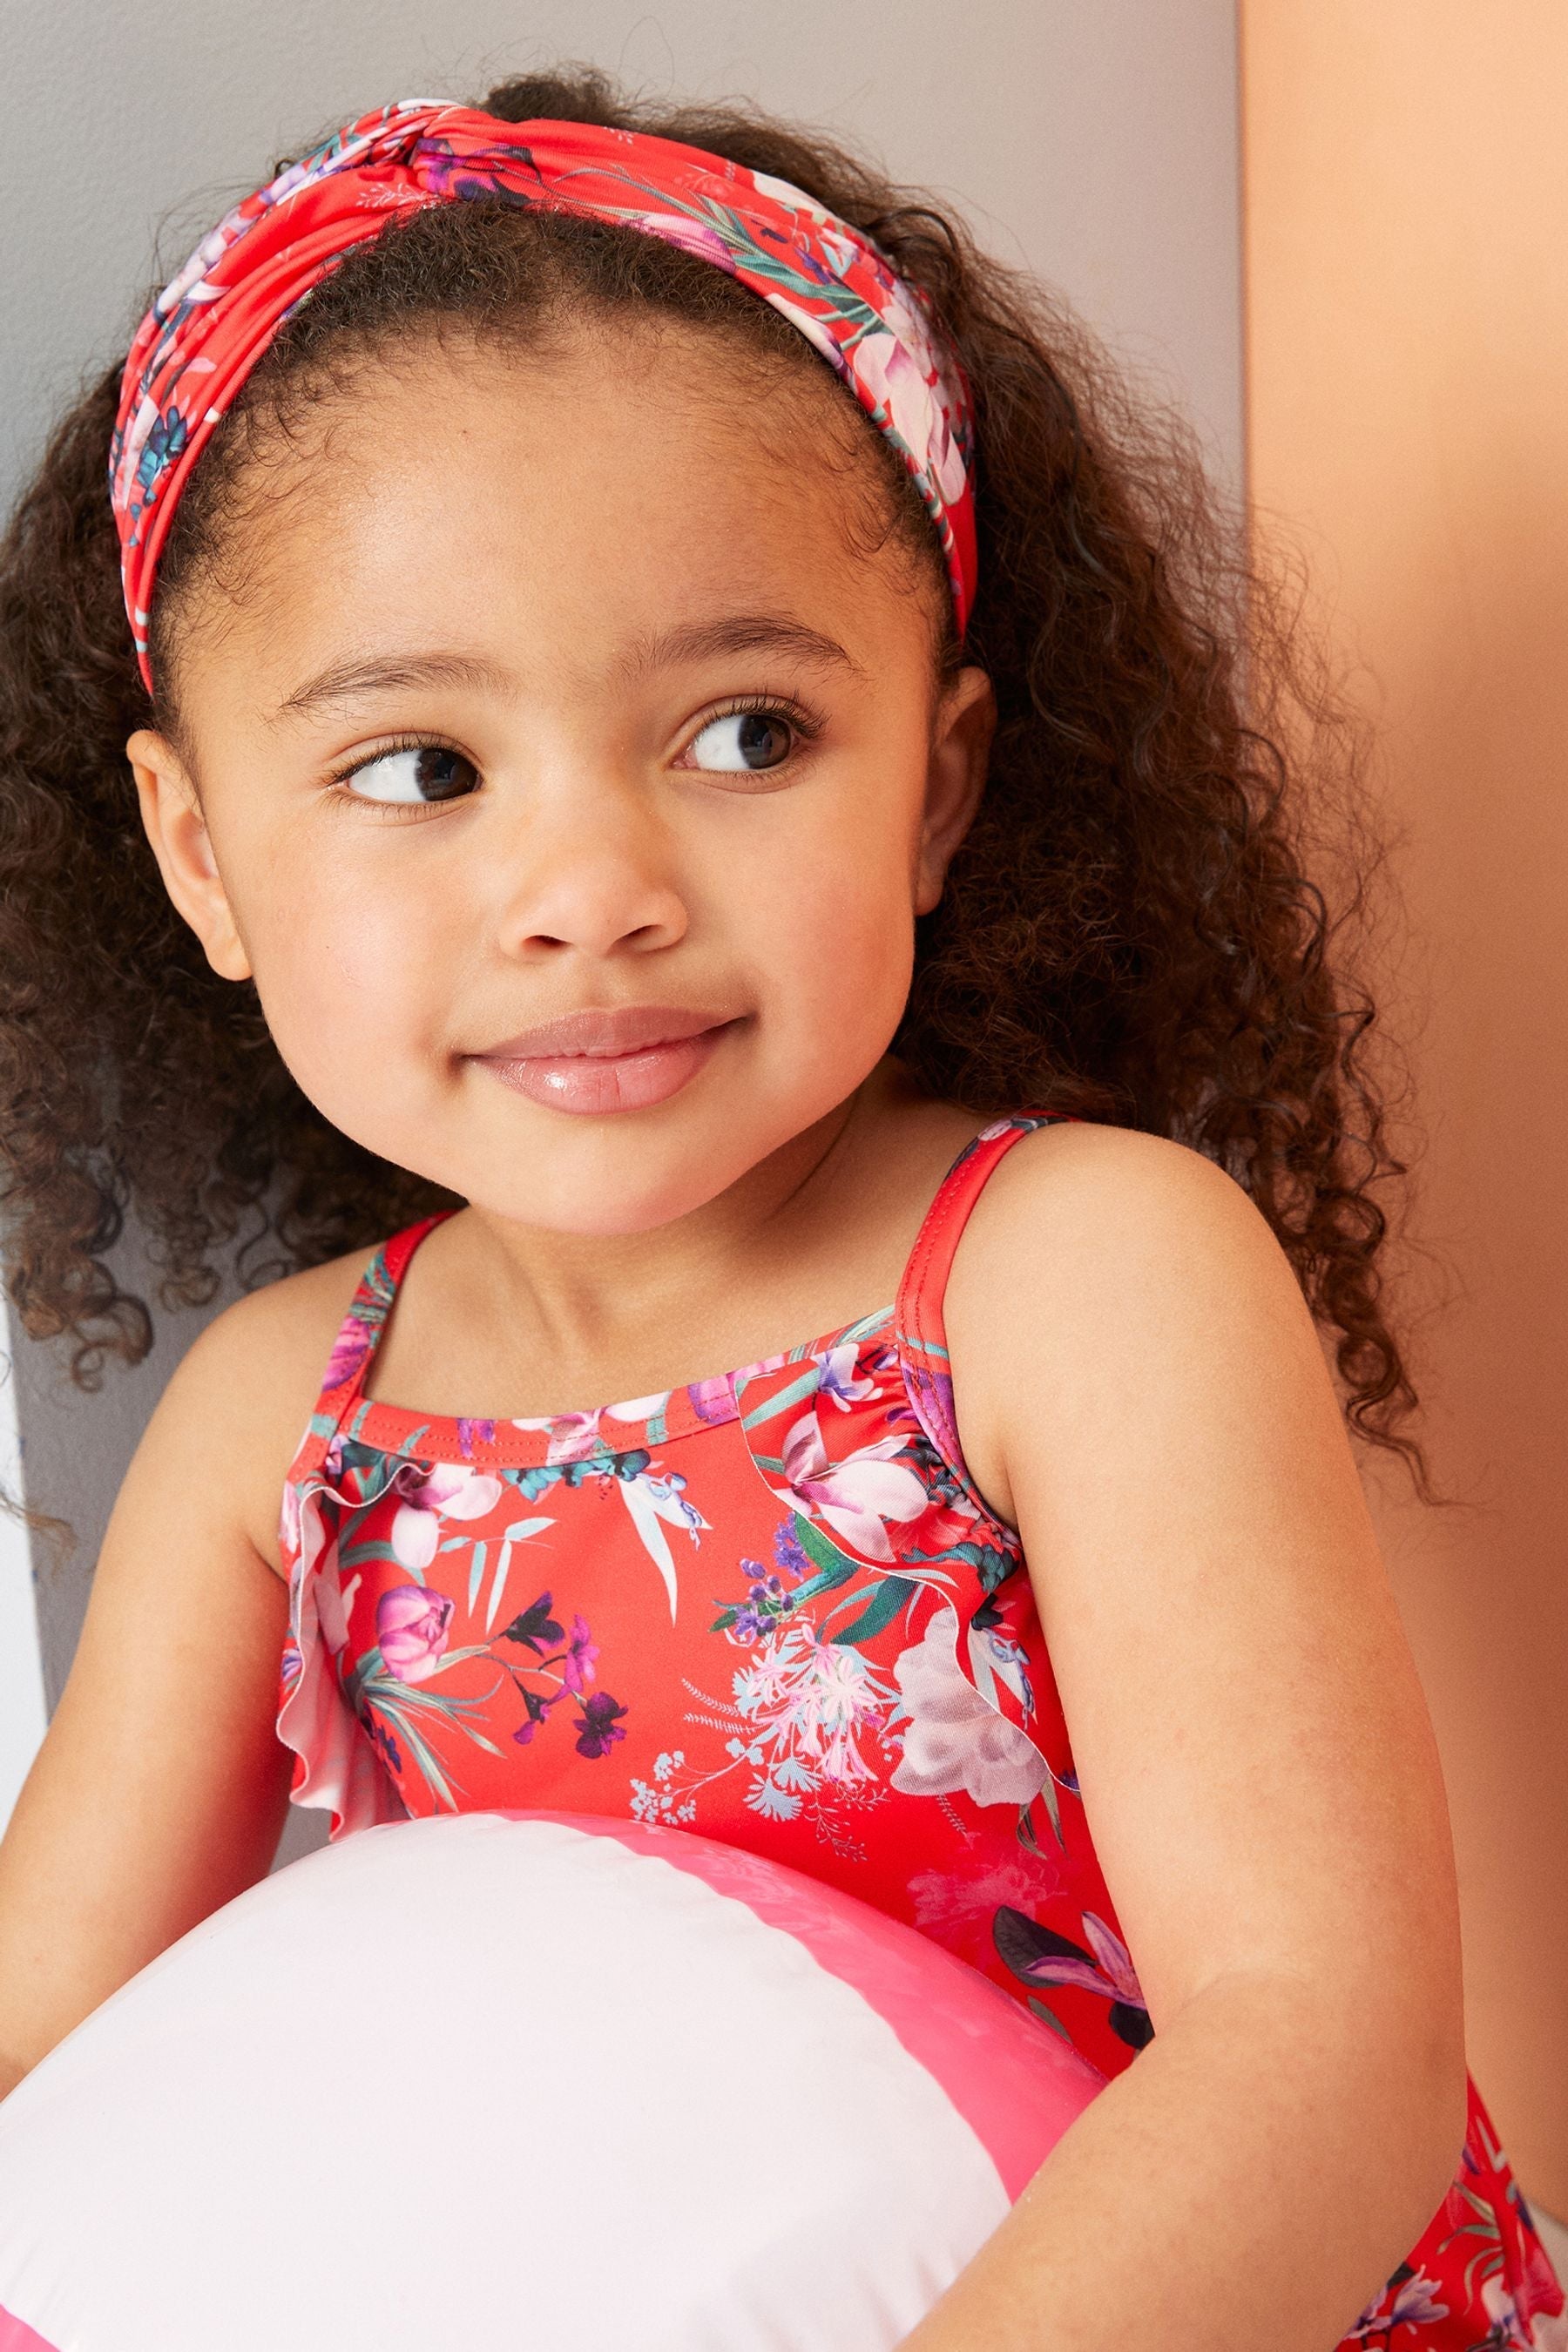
[346, 980]
[825, 949]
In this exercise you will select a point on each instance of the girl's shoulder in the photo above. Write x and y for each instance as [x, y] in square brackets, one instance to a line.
[1084, 1242]
[254, 1373]
[1076, 1202]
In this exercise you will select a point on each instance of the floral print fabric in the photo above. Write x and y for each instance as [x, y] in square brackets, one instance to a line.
[771, 1607]
[213, 319]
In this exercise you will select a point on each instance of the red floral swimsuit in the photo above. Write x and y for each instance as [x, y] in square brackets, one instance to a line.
[770, 1606]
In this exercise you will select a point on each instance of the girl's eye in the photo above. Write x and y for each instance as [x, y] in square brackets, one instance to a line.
[743, 740]
[419, 772]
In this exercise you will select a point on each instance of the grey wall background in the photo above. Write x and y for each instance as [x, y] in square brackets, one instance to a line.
[1095, 140]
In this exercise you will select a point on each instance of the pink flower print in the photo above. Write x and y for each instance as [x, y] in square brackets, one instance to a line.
[678, 228]
[957, 1907]
[448, 1490]
[809, 1702]
[573, 1436]
[838, 1380]
[333, 1602]
[713, 1399]
[955, 1738]
[791, 199]
[581, 1652]
[888, 366]
[841, 252]
[350, 1349]
[857, 1495]
[411, 1624]
[641, 1408]
[288, 1535]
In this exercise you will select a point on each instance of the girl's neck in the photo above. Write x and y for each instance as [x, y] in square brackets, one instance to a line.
[494, 1318]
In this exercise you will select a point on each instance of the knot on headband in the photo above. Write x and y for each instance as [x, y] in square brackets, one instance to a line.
[215, 318]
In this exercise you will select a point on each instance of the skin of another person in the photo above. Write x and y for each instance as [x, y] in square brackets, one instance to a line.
[567, 568]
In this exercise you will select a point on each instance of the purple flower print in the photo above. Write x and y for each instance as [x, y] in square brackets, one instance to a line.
[1039, 1956]
[411, 1625]
[745, 1622]
[599, 1728]
[789, 1552]
[581, 1653]
[534, 1628]
[839, 1380]
[538, 1708]
[1415, 2304]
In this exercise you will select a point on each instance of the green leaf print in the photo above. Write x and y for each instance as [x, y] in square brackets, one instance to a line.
[1052, 1802]
[835, 1568]
[475, 1576]
[885, 1601]
[358, 1555]
[402, 1706]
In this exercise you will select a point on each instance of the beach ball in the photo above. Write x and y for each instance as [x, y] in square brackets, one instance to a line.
[523, 2079]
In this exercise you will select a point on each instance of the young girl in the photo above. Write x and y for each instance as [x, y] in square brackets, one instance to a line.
[690, 765]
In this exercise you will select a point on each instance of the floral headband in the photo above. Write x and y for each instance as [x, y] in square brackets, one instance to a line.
[213, 321]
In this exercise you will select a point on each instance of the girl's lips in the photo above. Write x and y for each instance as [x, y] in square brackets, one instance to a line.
[601, 1082]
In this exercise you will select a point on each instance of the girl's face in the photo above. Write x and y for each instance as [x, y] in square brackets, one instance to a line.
[566, 682]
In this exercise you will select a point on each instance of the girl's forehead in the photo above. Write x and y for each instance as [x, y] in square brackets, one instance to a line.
[581, 496]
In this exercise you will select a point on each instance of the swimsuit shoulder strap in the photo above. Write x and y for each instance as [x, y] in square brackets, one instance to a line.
[918, 1329]
[360, 1332]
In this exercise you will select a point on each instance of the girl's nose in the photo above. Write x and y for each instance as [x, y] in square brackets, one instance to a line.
[596, 874]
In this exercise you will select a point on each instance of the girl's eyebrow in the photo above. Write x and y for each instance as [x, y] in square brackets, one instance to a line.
[740, 632]
[349, 680]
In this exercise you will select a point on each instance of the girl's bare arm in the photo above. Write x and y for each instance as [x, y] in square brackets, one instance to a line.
[1146, 1400]
[161, 1788]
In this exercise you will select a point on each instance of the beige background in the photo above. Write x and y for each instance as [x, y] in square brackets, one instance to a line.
[1407, 289]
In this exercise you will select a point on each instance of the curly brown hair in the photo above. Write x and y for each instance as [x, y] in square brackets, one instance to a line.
[1128, 930]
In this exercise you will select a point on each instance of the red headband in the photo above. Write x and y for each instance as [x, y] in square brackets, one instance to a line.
[211, 325]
